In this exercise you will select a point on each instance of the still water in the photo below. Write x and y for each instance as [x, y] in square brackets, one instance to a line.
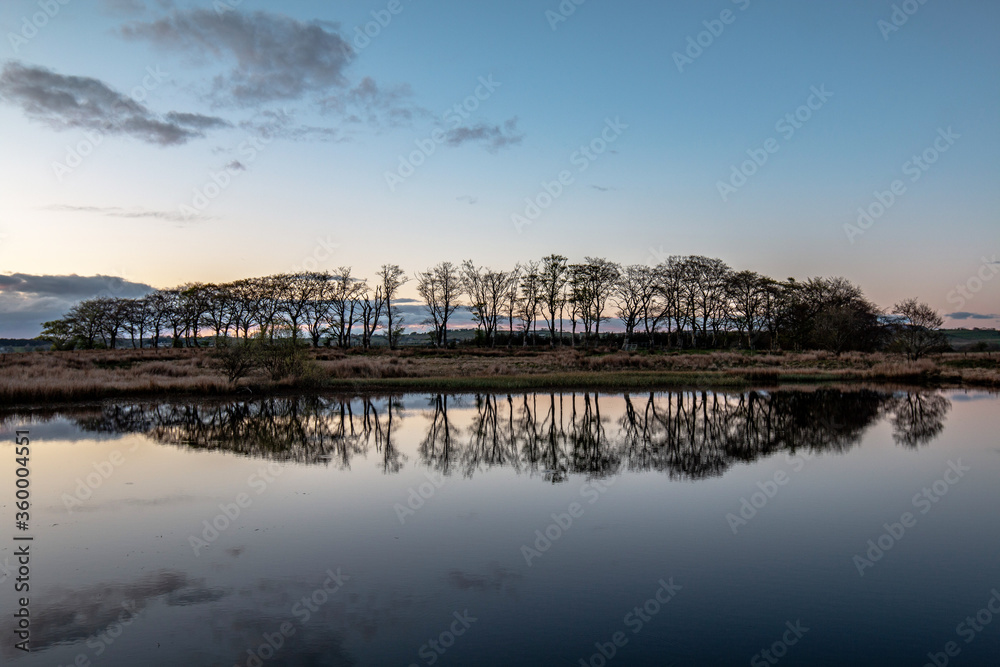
[686, 528]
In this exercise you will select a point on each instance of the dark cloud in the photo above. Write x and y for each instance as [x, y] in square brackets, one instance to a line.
[70, 286]
[493, 137]
[28, 300]
[273, 57]
[962, 315]
[64, 102]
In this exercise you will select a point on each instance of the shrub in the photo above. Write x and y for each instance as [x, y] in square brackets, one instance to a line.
[236, 360]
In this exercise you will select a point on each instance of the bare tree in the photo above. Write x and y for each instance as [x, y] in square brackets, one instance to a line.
[318, 309]
[631, 293]
[595, 281]
[552, 278]
[747, 292]
[371, 305]
[528, 300]
[345, 304]
[918, 329]
[296, 293]
[392, 278]
[440, 287]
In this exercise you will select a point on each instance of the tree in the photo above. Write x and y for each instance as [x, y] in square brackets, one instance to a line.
[528, 300]
[392, 278]
[296, 292]
[218, 309]
[747, 294]
[440, 287]
[671, 292]
[194, 305]
[345, 304]
[158, 304]
[265, 294]
[61, 333]
[371, 305]
[112, 314]
[317, 313]
[139, 314]
[551, 279]
[593, 284]
[631, 293]
[707, 278]
[917, 332]
[831, 314]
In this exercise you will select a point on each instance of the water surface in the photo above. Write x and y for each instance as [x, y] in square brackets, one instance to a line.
[692, 528]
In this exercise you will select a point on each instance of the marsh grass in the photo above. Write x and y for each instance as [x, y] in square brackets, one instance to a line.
[40, 377]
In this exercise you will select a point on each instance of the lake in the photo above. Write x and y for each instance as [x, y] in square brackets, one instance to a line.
[814, 527]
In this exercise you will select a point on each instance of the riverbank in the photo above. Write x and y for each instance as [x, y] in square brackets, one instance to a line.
[91, 375]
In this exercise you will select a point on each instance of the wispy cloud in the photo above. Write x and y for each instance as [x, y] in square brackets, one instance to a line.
[375, 105]
[64, 102]
[127, 7]
[120, 212]
[468, 199]
[493, 137]
[281, 124]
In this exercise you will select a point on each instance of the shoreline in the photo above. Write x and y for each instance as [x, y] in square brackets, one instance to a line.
[86, 376]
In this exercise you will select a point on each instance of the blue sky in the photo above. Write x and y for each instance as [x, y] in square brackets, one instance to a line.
[317, 192]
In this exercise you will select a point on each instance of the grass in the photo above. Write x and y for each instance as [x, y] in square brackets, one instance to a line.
[45, 377]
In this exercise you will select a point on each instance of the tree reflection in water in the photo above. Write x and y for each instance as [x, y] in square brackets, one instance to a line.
[685, 434]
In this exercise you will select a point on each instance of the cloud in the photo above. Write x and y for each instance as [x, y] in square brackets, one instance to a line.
[70, 286]
[468, 199]
[272, 57]
[601, 188]
[494, 137]
[962, 315]
[281, 124]
[64, 102]
[28, 300]
[70, 615]
[119, 212]
[123, 6]
[197, 121]
[376, 105]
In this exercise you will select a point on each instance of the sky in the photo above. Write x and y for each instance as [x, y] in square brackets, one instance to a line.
[156, 142]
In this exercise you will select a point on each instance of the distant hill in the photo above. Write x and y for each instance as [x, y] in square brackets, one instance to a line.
[963, 339]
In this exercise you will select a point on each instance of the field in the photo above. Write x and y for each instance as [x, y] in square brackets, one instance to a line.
[88, 375]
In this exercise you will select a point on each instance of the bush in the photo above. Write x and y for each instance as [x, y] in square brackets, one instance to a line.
[284, 357]
[236, 359]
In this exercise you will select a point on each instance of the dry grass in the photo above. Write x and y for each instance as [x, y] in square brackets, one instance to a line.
[39, 377]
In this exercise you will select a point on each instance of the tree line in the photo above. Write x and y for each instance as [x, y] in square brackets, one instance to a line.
[684, 302]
